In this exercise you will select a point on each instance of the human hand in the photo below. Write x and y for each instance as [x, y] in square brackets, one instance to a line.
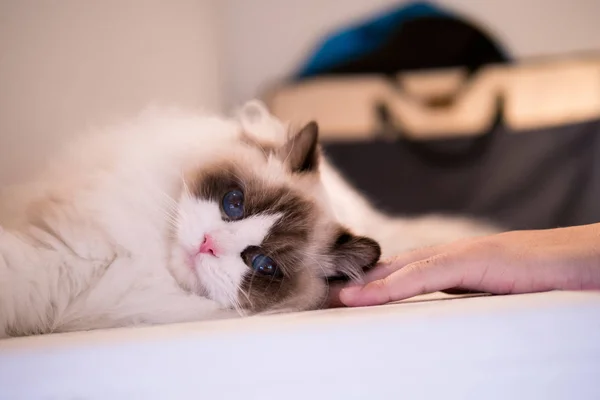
[511, 262]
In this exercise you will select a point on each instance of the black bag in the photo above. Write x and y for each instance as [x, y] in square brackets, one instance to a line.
[527, 180]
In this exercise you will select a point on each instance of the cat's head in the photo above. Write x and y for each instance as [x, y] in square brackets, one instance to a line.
[256, 232]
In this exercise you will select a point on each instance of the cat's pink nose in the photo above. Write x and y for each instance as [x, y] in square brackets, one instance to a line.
[208, 246]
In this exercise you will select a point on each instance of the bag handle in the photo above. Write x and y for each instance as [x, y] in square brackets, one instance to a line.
[427, 152]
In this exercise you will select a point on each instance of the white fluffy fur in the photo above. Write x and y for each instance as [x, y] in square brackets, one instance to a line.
[111, 213]
[88, 244]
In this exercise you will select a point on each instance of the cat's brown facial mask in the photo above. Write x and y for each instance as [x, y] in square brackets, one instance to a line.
[276, 244]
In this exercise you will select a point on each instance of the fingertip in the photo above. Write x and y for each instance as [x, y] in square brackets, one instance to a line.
[369, 295]
[349, 294]
[334, 297]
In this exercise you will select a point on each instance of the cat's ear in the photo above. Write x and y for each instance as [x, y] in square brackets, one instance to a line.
[253, 112]
[352, 255]
[301, 151]
[258, 123]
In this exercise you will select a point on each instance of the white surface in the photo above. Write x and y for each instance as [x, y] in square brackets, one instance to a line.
[540, 346]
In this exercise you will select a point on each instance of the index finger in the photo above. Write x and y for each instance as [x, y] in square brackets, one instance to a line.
[381, 270]
[389, 266]
[440, 272]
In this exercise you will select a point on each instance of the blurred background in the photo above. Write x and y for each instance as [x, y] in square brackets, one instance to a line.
[66, 65]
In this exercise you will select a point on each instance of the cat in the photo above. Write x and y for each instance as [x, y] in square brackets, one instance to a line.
[171, 217]
[175, 216]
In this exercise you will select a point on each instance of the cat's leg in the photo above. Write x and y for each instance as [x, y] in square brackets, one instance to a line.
[37, 282]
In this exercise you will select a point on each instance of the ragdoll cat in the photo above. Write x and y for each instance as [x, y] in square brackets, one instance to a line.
[176, 217]
[170, 218]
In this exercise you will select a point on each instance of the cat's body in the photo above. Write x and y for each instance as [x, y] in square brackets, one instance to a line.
[173, 217]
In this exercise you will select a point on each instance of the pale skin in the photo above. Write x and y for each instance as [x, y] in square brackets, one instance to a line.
[507, 263]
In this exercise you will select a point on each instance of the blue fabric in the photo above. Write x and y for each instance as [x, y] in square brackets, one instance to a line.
[365, 37]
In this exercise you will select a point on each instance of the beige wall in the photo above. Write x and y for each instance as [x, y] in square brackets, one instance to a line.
[267, 39]
[66, 64]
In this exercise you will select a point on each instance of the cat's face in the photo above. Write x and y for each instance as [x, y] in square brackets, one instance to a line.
[255, 232]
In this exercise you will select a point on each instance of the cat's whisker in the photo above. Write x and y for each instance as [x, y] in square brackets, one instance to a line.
[184, 185]
[291, 150]
[170, 202]
[168, 207]
[171, 217]
[270, 281]
[246, 295]
[235, 174]
[233, 299]
[169, 211]
[250, 285]
[223, 286]
[238, 307]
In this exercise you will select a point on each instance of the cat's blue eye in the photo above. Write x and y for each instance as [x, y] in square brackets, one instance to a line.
[264, 265]
[233, 204]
